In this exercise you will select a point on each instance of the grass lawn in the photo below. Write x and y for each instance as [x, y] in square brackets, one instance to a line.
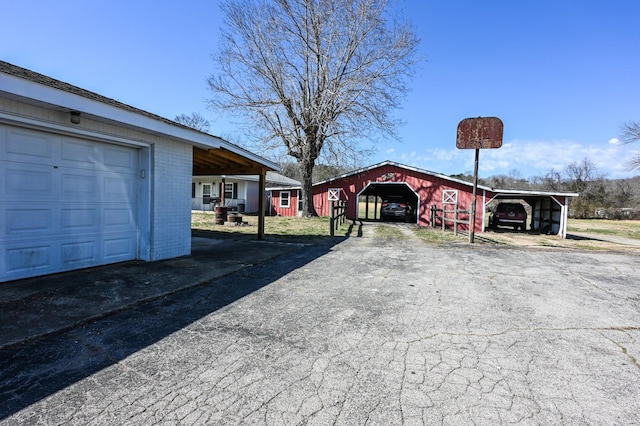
[278, 227]
[298, 229]
[619, 228]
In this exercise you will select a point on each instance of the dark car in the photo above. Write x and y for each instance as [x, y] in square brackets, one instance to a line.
[395, 207]
[509, 214]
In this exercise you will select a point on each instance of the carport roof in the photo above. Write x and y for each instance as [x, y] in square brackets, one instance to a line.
[212, 154]
[516, 193]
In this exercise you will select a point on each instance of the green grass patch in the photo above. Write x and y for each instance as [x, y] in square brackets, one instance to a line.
[275, 227]
[438, 236]
[390, 233]
[618, 228]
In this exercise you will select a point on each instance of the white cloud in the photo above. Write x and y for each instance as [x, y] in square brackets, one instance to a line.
[528, 158]
[615, 141]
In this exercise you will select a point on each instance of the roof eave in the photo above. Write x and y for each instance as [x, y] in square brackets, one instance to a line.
[37, 93]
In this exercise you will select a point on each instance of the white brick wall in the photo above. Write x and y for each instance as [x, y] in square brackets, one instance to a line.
[171, 195]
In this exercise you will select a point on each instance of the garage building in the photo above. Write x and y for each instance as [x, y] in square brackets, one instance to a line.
[86, 180]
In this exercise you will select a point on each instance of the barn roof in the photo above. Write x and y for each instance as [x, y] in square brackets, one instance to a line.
[401, 166]
[503, 193]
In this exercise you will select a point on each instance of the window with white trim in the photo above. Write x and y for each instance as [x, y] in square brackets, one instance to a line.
[206, 194]
[228, 191]
[285, 199]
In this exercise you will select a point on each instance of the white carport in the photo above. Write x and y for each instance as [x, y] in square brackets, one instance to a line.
[550, 210]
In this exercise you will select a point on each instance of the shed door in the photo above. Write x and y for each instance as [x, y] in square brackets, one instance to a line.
[65, 203]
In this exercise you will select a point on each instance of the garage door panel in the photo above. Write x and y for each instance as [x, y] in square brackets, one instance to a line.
[84, 186]
[118, 248]
[23, 145]
[118, 219]
[120, 159]
[119, 188]
[29, 182]
[79, 220]
[65, 203]
[29, 259]
[78, 154]
[79, 253]
[21, 221]
[102, 157]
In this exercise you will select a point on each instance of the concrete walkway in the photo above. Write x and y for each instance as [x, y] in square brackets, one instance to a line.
[36, 307]
[367, 331]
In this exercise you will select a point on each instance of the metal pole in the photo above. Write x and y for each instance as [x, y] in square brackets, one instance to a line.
[472, 215]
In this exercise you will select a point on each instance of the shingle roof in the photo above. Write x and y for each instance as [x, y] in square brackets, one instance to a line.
[35, 77]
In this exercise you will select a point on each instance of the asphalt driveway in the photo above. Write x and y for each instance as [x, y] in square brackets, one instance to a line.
[367, 331]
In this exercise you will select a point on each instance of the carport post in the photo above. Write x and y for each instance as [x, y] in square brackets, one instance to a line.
[261, 190]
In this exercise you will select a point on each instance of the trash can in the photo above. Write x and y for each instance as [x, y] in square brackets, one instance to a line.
[241, 208]
[221, 215]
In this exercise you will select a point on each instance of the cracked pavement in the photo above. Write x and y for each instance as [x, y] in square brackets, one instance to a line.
[372, 332]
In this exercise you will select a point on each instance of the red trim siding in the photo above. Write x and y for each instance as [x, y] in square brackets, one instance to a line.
[276, 210]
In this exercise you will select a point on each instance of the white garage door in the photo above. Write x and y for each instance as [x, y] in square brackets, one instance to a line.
[65, 203]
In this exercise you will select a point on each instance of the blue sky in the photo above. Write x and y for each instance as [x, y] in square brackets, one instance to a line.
[562, 75]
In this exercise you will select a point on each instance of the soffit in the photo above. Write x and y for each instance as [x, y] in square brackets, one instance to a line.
[221, 161]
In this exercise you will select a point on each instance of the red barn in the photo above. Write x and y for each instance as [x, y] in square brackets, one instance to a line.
[366, 188]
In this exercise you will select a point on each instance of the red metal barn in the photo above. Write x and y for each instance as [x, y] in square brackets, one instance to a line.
[366, 188]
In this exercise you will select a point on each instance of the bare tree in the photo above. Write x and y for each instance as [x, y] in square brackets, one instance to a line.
[314, 76]
[581, 173]
[551, 181]
[630, 134]
[585, 179]
[195, 121]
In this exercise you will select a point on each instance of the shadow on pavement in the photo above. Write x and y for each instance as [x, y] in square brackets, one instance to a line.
[37, 368]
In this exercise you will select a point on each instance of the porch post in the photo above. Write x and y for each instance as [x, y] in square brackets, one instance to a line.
[261, 190]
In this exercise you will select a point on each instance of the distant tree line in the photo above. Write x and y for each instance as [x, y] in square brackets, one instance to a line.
[598, 195]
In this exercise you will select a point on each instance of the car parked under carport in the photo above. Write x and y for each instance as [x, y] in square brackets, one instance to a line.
[376, 197]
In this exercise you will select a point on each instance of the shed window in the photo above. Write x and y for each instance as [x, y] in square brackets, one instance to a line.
[285, 198]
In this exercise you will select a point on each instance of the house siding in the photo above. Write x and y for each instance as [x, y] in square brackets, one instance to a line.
[244, 191]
